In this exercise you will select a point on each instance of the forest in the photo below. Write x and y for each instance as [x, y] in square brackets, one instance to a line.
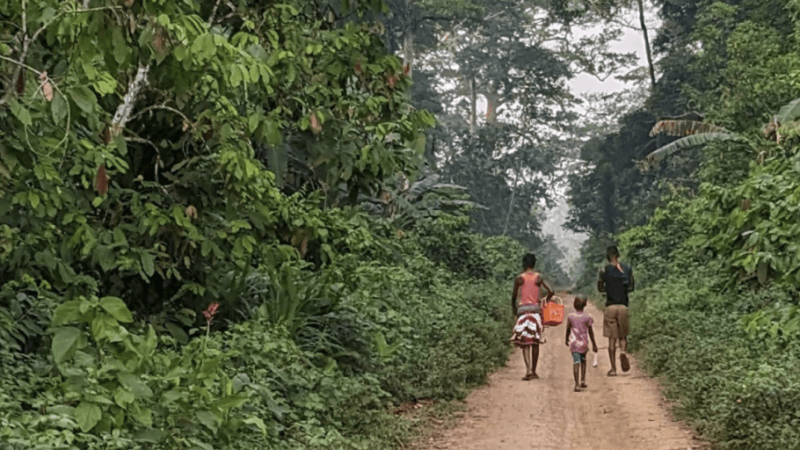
[704, 206]
[235, 224]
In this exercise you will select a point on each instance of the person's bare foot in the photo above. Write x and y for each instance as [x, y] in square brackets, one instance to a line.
[526, 377]
[534, 376]
[612, 373]
[584, 385]
[577, 388]
[623, 359]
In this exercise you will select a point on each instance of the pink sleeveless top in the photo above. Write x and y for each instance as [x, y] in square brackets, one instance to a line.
[529, 291]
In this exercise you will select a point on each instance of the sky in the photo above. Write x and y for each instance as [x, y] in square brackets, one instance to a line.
[630, 42]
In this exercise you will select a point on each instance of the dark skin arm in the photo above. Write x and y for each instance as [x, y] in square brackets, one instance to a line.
[550, 292]
[517, 283]
[601, 284]
[569, 328]
[630, 286]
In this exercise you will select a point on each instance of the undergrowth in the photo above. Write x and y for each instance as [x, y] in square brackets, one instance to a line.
[726, 348]
[404, 329]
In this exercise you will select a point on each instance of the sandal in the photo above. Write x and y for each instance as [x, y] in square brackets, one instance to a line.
[623, 359]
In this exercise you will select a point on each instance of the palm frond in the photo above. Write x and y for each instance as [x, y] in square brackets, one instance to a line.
[692, 141]
[681, 128]
[789, 112]
[465, 203]
[430, 184]
[420, 186]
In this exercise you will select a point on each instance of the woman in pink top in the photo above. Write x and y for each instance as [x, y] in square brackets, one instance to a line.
[528, 328]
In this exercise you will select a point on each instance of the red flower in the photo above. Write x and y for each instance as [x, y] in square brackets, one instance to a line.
[210, 312]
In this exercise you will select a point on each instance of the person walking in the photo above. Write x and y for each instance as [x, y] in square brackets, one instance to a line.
[579, 333]
[528, 328]
[616, 281]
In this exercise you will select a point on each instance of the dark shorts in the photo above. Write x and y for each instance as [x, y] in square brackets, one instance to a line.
[578, 358]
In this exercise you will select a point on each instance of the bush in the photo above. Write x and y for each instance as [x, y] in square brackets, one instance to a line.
[727, 355]
[319, 362]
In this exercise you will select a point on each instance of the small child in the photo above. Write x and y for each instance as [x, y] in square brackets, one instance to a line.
[580, 324]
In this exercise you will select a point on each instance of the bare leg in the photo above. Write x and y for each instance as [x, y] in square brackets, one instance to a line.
[534, 359]
[576, 371]
[583, 374]
[526, 356]
[623, 357]
[612, 355]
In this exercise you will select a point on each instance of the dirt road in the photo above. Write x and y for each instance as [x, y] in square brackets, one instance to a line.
[621, 413]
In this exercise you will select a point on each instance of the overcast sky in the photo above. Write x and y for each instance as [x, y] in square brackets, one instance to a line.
[630, 42]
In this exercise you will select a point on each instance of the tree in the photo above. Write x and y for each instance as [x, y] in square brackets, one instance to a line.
[136, 165]
[612, 12]
[515, 57]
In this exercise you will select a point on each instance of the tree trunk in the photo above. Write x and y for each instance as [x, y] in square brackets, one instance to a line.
[473, 100]
[608, 191]
[493, 103]
[647, 45]
[511, 203]
[408, 49]
[125, 108]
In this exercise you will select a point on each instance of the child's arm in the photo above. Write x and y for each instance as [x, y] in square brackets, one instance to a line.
[514, 293]
[591, 336]
[569, 327]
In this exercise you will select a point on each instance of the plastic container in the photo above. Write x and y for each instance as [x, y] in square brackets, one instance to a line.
[553, 313]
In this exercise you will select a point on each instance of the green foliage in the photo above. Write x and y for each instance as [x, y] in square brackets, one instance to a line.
[610, 193]
[318, 364]
[158, 156]
[731, 374]
[687, 143]
[715, 315]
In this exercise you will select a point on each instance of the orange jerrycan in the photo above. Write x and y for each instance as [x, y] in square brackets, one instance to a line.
[553, 313]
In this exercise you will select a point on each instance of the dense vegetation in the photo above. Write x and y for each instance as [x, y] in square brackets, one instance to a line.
[214, 231]
[711, 230]
[241, 225]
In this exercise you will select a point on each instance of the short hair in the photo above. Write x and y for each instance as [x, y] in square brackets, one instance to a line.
[580, 301]
[529, 261]
[611, 252]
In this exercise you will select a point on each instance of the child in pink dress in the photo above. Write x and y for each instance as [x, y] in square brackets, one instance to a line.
[579, 328]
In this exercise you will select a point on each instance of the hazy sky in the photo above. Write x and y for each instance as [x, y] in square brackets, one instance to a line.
[631, 42]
